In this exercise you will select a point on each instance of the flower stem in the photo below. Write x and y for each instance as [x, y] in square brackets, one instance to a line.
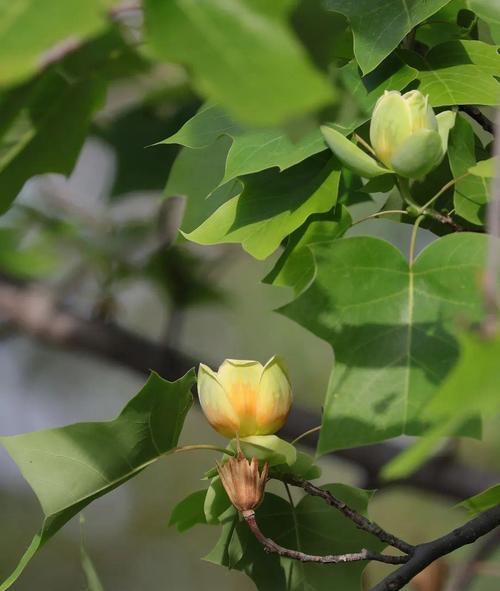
[305, 434]
[197, 446]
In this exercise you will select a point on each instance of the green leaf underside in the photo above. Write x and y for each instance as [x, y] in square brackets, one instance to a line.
[392, 74]
[29, 36]
[71, 466]
[270, 207]
[483, 501]
[198, 35]
[471, 194]
[379, 25]
[391, 329]
[472, 388]
[251, 150]
[459, 73]
[318, 530]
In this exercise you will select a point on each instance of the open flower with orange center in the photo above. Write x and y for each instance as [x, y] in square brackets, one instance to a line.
[244, 397]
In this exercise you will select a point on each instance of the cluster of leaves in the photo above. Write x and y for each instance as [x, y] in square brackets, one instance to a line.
[255, 171]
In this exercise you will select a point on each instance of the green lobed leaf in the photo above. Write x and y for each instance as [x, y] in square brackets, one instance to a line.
[71, 466]
[314, 528]
[472, 193]
[392, 330]
[252, 79]
[31, 37]
[269, 208]
[486, 168]
[189, 512]
[471, 388]
[252, 149]
[380, 25]
[460, 72]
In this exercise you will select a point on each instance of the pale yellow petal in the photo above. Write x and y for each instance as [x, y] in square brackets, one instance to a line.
[240, 379]
[215, 403]
[275, 397]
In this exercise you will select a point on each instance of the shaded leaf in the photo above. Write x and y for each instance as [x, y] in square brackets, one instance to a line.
[295, 268]
[189, 512]
[392, 74]
[252, 80]
[270, 207]
[379, 25]
[47, 132]
[71, 466]
[391, 329]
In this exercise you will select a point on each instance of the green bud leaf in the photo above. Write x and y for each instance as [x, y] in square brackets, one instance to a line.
[350, 155]
[445, 121]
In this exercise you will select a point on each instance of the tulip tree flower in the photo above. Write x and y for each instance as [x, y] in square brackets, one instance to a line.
[406, 136]
[245, 398]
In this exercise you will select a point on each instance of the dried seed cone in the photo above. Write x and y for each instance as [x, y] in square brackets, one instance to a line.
[243, 483]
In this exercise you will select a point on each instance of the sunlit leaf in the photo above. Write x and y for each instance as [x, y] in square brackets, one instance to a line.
[460, 73]
[71, 466]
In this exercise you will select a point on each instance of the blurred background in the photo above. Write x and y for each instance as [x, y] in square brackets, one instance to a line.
[104, 244]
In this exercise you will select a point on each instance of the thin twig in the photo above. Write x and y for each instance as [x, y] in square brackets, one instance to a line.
[305, 434]
[359, 520]
[274, 548]
[476, 114]
[379, 213]
[425, 554]
[444, 188]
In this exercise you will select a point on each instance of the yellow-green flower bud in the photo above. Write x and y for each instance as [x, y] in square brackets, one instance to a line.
[406, 135]
[245, 398]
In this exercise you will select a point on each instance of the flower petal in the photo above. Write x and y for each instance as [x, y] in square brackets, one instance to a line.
[390, 125]
[350, 155]
[275, 397]
[240, 379]
[420, 153]
[215, 403]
